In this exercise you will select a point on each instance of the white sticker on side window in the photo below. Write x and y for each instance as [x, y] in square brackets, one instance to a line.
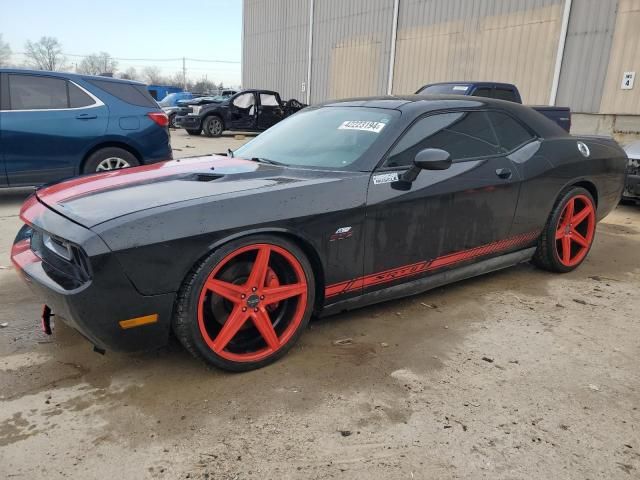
[464, 88]
[363, 125]
[385, 178]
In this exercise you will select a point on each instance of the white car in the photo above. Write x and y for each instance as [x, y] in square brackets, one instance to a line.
[632, 186]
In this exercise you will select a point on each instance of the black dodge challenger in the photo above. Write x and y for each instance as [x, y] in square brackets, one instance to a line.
[341, 205]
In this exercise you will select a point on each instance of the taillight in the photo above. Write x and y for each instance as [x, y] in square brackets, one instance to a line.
[159, 117]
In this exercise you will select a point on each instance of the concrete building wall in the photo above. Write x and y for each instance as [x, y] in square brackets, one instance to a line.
[586, 54]
[625, 57]
[447, 40]
[275, 45]
[509, 41]
[351, 41]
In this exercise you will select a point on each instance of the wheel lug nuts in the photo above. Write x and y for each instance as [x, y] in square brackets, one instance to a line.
[261, 297]
[255, 309]
[244, 309]
[254, 289]
[243, 296]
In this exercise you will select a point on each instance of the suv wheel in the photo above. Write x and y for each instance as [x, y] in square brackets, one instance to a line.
[110, 158]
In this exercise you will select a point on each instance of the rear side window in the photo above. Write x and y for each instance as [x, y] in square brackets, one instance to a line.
[32, 92]
[504, 94]
[268, 100]
[511, 134]
[463, 134]
[78, 98]
[127, 92]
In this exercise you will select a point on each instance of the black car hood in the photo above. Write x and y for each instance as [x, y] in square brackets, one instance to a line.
[94, 199]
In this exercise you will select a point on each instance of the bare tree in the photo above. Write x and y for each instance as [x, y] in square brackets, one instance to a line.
[45, 54]
[98, 63]
[5, 52]
[130, 74]
[152, 75]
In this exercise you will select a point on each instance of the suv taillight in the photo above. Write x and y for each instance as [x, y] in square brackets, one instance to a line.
[159, 117]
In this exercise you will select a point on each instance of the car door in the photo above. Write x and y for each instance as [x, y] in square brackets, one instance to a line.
[451, 214]
[270, 110]
[49, 127]
[4, 105]
[243, 112]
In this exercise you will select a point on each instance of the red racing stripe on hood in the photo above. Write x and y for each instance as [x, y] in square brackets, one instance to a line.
[80, 186]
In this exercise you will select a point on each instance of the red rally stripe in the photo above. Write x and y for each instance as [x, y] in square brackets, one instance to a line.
[429, 265]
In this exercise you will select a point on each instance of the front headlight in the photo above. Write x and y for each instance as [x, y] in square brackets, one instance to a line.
[195, 110]
[57, 246]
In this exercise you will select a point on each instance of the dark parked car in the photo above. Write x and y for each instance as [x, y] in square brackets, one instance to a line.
[183, 107]
[247, 111]
[56, 125]
[632, 187]
[339, 206]
[500, 91]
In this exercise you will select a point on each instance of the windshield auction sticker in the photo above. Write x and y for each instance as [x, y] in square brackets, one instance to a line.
[363, 125]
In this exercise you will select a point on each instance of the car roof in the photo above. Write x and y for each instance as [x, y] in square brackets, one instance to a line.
[67, 75]
[471, 82]
[416, 105]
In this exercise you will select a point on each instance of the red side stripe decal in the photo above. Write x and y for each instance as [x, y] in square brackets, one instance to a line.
[429, 265]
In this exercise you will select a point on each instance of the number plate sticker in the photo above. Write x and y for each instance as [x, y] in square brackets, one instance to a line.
[385, 178]
[375, 127]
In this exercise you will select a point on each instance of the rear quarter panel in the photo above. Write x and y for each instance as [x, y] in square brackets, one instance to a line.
[556, 164]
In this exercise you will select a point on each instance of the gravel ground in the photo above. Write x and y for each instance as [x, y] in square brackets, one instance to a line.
[516, 374]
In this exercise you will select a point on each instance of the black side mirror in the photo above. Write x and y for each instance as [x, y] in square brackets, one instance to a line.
[432, 159]
[427, 159]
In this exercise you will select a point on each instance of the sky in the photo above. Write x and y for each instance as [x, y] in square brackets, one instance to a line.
[134, 29]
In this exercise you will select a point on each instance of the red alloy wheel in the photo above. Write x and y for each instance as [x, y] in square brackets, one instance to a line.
[276, 284]
[575, 230]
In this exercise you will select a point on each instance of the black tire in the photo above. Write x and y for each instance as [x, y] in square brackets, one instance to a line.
[212, 126]
[186, 316]
[103, 157]
[547, 256]
[172, 120]
[193, 132]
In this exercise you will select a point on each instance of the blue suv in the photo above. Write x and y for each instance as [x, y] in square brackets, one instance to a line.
[58, 125]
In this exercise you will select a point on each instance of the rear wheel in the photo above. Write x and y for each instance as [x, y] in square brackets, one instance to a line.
[246, 304]
[172, 120]
[110, 158]
[569, 233]
[212, 126]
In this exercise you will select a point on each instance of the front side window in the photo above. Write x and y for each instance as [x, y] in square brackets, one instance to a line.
[328, 137]
[463, 134]
[246, 100]
[31, 92]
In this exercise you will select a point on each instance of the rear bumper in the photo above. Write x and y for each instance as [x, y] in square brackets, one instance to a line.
[94, 307]
[191, 122]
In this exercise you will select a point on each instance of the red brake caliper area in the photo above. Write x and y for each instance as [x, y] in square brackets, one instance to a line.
[254, 301]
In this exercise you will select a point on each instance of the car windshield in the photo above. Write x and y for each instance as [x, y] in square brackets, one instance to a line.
[168, 100]
[328, 137]
[445, 89]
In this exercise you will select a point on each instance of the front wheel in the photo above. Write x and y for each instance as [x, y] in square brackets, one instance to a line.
[569, 233]
[212, 126]
[245, 305]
